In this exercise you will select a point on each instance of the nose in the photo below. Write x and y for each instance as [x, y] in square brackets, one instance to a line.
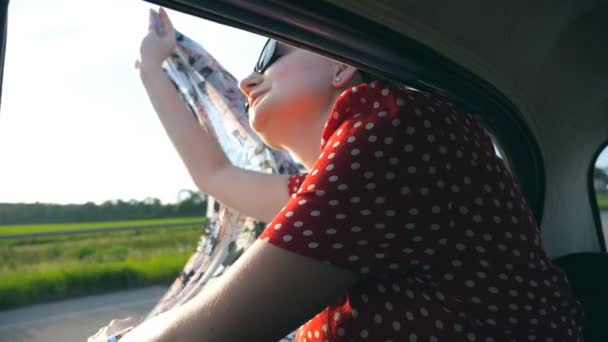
[249, 83]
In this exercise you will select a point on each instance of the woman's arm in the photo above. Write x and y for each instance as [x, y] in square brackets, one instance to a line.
[207, 164]
[268, 293]
[209, 168]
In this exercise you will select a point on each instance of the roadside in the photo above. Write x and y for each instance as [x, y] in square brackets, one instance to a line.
[75, 319]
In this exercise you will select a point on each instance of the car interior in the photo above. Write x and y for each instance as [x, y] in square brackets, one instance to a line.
[535, 74]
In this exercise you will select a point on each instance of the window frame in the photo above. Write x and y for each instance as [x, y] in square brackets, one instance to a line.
[595, 209]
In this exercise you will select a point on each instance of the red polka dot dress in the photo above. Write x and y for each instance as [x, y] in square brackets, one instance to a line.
[409, 194]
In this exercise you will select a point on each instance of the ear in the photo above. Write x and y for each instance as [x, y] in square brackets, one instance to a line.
[344, 74]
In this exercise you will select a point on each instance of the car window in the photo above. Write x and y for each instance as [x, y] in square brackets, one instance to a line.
[600, 189]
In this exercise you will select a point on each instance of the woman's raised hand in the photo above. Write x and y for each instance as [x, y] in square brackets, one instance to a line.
[157, 46]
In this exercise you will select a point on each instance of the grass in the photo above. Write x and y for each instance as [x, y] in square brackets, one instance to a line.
[18, 288]
[38, 228]
[52, 268]
[602, 201]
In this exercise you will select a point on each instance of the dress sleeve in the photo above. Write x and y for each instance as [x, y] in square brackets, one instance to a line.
[349, 210]
[294, 182]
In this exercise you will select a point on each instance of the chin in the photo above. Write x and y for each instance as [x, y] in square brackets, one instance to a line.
[258, 124]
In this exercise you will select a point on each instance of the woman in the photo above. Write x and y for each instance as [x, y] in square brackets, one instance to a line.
[406, 227]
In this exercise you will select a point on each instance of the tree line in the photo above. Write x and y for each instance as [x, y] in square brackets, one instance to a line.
[190, 203]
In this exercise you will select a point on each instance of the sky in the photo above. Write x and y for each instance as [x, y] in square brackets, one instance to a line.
[75, 122]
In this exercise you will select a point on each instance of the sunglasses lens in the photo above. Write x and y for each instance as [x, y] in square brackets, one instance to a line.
[266, 55]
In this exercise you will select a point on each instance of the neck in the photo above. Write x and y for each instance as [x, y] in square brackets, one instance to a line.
[305, 144]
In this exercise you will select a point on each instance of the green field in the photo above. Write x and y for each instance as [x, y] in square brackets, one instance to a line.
[39, 228]
[602, 201]
[34, 270]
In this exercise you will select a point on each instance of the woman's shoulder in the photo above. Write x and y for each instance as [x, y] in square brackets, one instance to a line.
[372, 103]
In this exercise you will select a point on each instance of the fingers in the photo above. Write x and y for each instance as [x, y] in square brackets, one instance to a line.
[164, 19]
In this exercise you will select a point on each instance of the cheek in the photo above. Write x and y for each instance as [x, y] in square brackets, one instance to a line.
[298, 88]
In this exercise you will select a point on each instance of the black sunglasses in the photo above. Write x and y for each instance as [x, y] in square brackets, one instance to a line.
[268, 56]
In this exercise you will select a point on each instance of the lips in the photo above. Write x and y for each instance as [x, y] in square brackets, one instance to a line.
[254, 97]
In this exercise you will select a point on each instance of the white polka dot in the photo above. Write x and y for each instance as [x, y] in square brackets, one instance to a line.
[302, 202]
[369, 125]
[337, 245]
[341, 216]
[351, 139]
[277, 226]
[353, 258]
[382, 114]
[372, 138]
[355, 200]
[298, 224]
[331, 155]
[377, 318]
[390, 212]
[287, 238]
[376, 104]
[355, 166]
[329, 167]
[355, 229]
[379, 154]
[331, 231]
[315, 213]
[396, 326]
[313, 245]
[408, 148]
[357, 124]
[333, 178]
[334, 202]
[388, 306]
[342, 187]
[307, 232]
[310, 187]
[355, 152]
[289, 214]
